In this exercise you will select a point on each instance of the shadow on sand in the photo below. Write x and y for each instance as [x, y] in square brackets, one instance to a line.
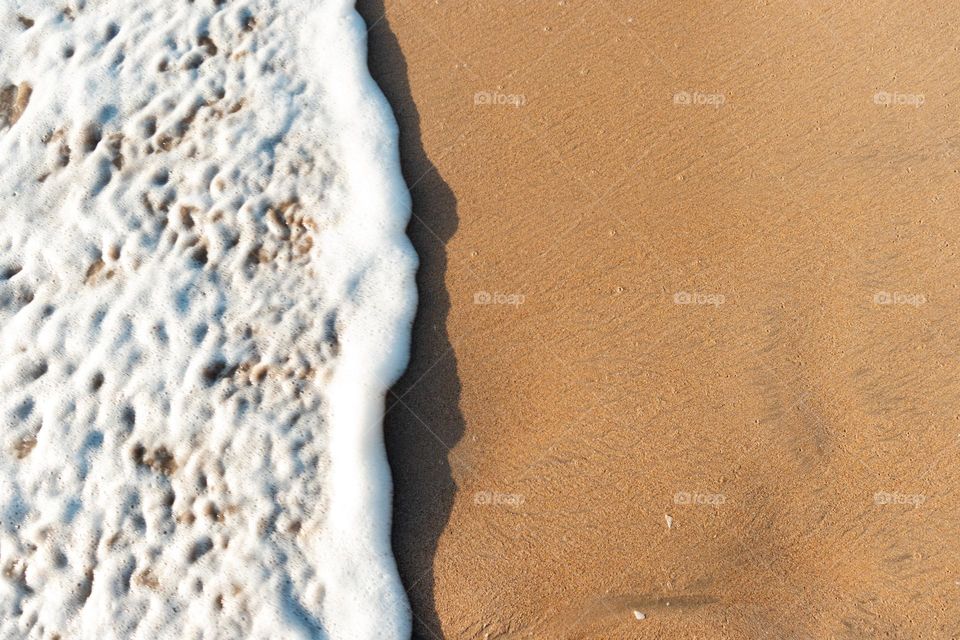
[426, 421]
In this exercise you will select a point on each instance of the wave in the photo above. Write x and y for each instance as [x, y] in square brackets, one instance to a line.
[205, 292]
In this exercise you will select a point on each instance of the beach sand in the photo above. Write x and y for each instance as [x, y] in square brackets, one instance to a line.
[686, 358]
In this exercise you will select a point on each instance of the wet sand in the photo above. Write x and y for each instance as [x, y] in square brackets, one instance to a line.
[687, 344]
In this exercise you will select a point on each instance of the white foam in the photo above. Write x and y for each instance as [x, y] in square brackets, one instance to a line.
[205, 291]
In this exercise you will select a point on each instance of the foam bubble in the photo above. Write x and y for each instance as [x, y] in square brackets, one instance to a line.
[205, 292]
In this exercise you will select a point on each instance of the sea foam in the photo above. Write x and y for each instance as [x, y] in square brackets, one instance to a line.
[205, 292]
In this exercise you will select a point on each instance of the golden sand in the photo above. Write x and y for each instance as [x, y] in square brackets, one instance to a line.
[686, 362]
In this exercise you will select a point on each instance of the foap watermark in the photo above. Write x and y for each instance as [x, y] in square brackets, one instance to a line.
[485, 297]
[697, 297]
[895, 497]
[697, 498]
[898, 297]
[497, 499]
[894, 99]
[495, 98]
[699, 99]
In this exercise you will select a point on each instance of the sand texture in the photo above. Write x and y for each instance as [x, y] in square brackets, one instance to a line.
[686, 357]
